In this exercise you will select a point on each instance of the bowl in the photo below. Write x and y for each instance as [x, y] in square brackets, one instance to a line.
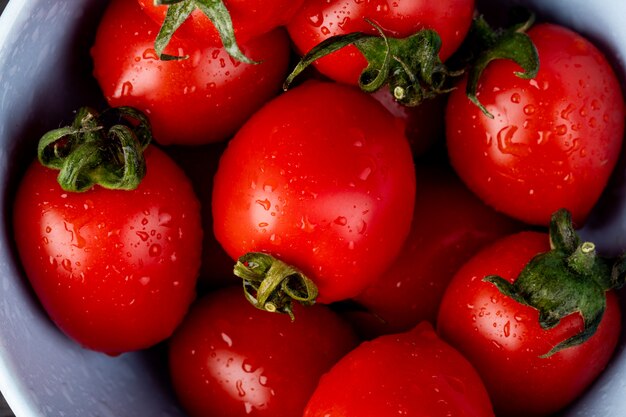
[45, 76]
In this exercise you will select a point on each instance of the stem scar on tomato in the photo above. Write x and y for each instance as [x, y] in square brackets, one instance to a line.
[570, 278]
[272, 285]
[98, 148]
[179, 11]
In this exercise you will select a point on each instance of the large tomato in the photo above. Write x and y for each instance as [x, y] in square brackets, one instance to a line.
[318, 20]
[504, 341]
[202, 99]
[553, 140]
[115, 270]
[229, 359]
[406, 374]
[250, 19]
[441, 240]
[322, 178]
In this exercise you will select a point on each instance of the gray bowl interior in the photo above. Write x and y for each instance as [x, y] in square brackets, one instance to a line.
[44, 76]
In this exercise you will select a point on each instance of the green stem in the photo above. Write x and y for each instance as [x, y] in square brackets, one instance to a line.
[272, 285]
[104, 149]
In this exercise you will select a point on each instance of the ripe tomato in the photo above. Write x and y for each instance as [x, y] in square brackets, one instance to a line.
[202, 99]
[504, 341]
[441, 240]
[229, 359]
[413, 374]
[322, 178]
[115, 270]
[318, 20]
[554, 139]
[250, 19]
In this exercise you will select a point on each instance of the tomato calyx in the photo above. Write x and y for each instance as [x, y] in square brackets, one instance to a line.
[485, 44]
[178, 11]
[570, 278]
[272, 285]
[98, 148]
[409, 66]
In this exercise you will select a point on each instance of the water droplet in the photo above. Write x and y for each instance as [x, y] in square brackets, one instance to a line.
[143, 235]
[325, 30]
[561, 130]
[151, 54]
[341, 221]
[215, 53]
[67, 265]
[266, 204]
[516, 98]
[507, 329]
[239, 385]
[344, 22]
[275, 239]
[365, 173]
[316, 19]
[567, 111]
[127, 89]
[227, 339]
[155, 250]
[144, 280]
[263, 224]
[45, 240]
[529, 109]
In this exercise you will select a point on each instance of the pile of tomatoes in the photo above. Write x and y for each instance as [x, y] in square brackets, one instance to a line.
[370, 225]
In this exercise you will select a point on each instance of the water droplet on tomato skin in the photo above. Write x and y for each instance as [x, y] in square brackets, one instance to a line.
[316, 19]
[155, 250]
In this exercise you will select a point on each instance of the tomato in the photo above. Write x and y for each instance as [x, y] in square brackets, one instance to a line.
[554, 139]
[229, 359]
[318, 20]
[322, 178]
[504, 341]
[250, 18]
[441, 240]
[202, 99]
[115, 270]
[413, 374]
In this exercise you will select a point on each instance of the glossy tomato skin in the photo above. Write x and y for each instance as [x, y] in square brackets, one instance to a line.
[413, 373]
[504, 341]
[318, 20]
[115, 270]
[251, 19]
[450, 224]
[202, 99]
[322, 178]
[230, 359]
[553, 141]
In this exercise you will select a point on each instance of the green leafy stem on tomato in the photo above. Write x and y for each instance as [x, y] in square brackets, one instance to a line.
[98, 148]
[272, 285]
[411, 66]
[570, 278]
[179, 11]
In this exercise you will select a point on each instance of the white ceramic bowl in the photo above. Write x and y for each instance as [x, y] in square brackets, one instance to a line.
[44, 76]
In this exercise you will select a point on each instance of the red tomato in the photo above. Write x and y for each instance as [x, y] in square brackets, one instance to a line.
[115, 270]
[318, 20]
[322, 178]
[554, 139]
[229, 359]
[442, 238]
[504, 341]
[407, 374]
[202, 99]
[250, 18]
